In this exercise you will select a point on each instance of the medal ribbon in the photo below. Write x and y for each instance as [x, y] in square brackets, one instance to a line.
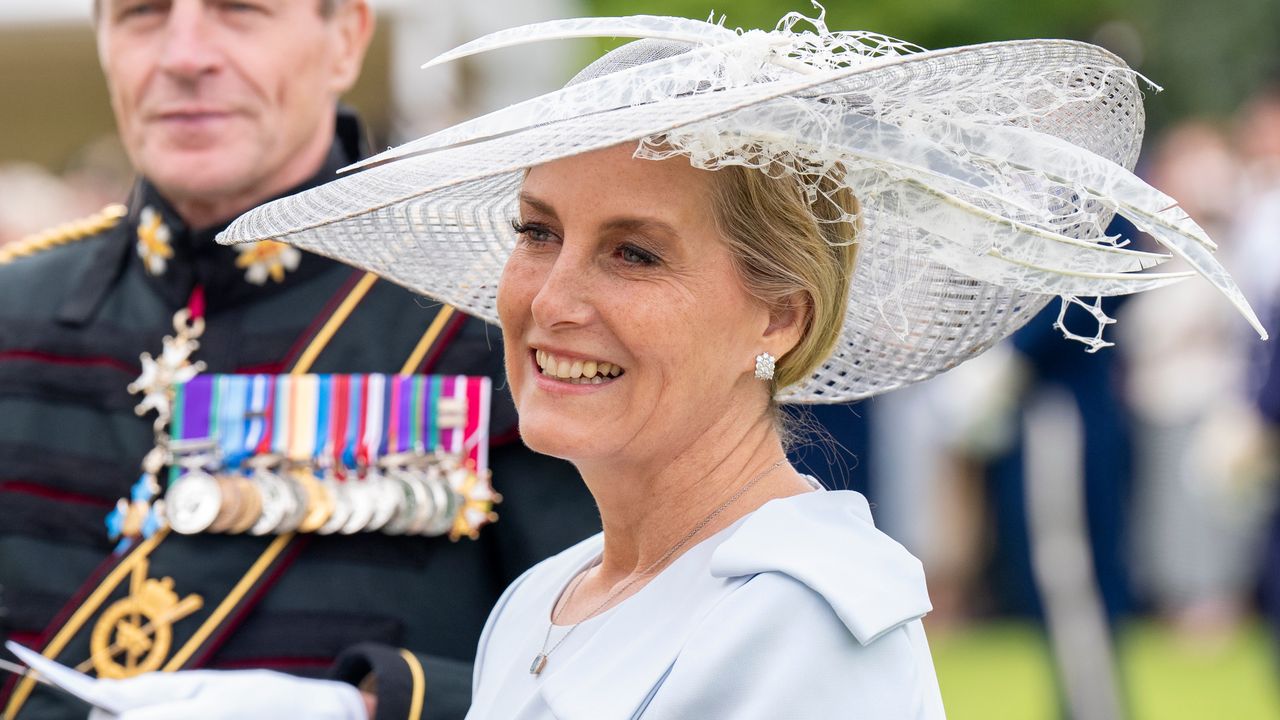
[371, 437]
[355, 422]
[404, 412]
[320, 451]
[450, 439]
[303, 407]
[341, 423]
[278, 438]
[233, 399]
[433, 418]
[384, 411]
[478, 399]
[257, 440]
[416, 414]
[196, 406]
[393, 413]
[192, 406]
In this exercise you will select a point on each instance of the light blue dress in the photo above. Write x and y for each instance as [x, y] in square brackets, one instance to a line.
[800, 610]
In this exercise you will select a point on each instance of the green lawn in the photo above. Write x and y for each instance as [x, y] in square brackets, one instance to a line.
[1002, 671]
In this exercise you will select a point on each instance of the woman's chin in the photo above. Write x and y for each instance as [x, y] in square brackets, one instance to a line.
[561, 437]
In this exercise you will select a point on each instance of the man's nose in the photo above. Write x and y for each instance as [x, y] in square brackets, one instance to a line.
[190, 48]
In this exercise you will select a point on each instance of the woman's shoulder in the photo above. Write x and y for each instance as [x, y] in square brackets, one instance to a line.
[825, 543]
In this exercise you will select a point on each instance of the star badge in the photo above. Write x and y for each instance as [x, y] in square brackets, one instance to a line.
[153, 241]
[267, 259]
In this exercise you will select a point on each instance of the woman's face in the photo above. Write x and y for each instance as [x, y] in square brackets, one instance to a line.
[629, 334]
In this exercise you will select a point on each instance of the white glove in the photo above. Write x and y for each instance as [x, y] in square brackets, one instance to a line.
[226, 694]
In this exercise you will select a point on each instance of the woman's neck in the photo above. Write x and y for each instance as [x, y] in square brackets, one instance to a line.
[648, 511]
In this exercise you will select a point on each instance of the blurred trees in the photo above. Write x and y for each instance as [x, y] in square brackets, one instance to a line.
[1208, 56]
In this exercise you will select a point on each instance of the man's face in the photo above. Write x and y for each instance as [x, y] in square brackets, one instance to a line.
[224, 103]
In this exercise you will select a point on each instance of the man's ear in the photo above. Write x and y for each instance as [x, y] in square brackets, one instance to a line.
[787, 322]
[352, 28]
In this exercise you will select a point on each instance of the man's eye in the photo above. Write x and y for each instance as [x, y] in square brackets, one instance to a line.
[244, 7]
[140, 9]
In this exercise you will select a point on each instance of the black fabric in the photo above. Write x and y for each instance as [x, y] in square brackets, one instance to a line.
[73, 321]
[446, 689]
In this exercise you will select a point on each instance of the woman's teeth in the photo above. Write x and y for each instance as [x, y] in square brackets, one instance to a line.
[578, 372]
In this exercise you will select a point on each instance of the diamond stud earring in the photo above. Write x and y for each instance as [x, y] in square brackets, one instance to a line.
[764, 366]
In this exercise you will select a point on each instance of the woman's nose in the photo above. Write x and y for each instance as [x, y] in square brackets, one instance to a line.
[564, 295]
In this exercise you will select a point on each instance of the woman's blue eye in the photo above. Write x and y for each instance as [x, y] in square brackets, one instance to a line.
[532, 231]
[635, 256]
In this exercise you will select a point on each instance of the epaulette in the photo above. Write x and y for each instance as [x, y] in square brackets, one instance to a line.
[62, 234]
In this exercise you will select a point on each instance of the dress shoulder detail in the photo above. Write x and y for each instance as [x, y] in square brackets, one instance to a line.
[63, 234]
[828, 542]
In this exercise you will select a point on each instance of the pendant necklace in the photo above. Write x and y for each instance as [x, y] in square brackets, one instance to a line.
[540, 660]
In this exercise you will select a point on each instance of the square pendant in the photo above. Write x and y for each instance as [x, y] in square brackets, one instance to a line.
[538, 663]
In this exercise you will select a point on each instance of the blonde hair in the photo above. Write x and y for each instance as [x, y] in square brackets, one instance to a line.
[788, 243]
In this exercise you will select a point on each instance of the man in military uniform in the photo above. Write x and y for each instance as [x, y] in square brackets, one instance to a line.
[221, 106]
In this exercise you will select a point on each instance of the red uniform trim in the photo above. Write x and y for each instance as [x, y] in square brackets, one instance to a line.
[49, 493]
[52, 359]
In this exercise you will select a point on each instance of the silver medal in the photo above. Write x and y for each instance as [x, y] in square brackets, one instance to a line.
[412, 496]
[341, 505]
[278, 502]
[386, 500]
[447, 502]
[360, 493]
[193, 502]
[297, 512]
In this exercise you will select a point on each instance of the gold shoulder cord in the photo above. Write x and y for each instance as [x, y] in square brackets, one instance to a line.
[138, 557]
[63, 234]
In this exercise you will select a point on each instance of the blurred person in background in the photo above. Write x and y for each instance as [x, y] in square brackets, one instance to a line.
[1044, 361]
[222, 106]
[1195, 517]
[1258, 140]
[99, 173]
[1256, 213]
[32, 199]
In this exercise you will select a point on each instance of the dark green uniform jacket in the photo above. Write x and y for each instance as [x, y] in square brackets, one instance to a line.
[73, 321]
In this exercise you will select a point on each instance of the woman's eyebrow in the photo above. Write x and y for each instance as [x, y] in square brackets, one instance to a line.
[647, 226]
[537, 205]
[633, 224]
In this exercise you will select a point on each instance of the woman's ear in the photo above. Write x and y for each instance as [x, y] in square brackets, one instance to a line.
[788, 320]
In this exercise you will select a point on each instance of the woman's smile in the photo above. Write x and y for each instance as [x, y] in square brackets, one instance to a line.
[575, 370]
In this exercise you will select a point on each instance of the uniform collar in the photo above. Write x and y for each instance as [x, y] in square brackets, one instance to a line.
[156, 244]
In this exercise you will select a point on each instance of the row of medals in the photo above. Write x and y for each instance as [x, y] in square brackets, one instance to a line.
[398, 498]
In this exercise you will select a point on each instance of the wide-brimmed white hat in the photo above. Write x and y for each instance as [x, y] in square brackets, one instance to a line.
[986, 176]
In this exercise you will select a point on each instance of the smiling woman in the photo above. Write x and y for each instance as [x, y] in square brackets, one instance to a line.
[708, 223]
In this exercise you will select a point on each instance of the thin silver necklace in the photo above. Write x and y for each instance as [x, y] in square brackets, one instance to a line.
[540, 660]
